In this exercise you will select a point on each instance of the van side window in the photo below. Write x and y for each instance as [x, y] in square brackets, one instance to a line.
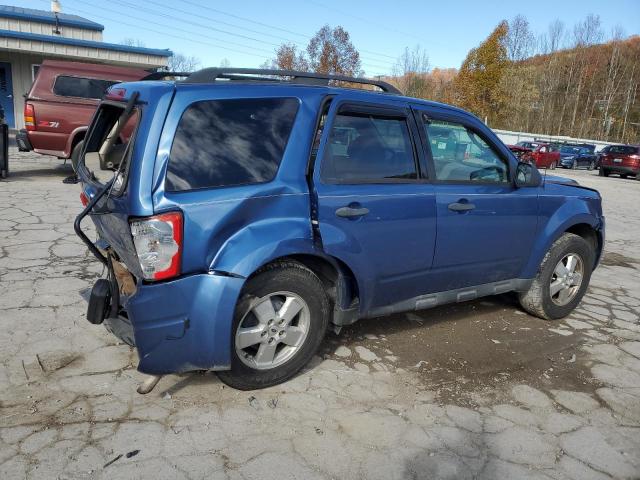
[459, 154]
[81, 87]
[367, 148]
[220, 143]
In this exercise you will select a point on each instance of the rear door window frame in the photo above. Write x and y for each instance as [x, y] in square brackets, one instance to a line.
[340, 106]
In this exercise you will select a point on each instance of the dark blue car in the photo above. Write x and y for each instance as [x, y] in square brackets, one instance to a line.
[250, 211]
[572, 156]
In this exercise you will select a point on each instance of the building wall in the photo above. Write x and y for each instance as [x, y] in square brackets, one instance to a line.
[21, 73]
[47, 29]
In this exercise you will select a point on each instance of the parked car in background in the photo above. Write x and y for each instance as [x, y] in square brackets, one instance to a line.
[601, 154]
[623, 160]
[249, 215]
[522, 148]
[544, 155]
[61, 102]
[576, 156]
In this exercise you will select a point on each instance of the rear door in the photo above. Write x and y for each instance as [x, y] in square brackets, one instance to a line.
[375, 209]
[485, 225]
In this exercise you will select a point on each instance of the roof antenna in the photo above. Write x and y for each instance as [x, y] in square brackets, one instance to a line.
[56, 8]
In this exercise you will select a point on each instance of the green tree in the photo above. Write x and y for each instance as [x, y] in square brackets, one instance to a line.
[329, 51]
[478, 85]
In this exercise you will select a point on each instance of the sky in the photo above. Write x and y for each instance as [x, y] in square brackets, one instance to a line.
[246, 32]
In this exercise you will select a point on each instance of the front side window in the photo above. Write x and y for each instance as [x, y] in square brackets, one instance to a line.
[81, 87]
[368, 148]
[221, 143]
[460, 154]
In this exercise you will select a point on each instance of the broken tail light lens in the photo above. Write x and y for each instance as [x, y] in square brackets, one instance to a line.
[158, 242]
[29, 117]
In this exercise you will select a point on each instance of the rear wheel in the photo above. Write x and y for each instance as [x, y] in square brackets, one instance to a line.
[280, 321]
[603, 172]
[623, 175]
[591, 166]
[562, 278]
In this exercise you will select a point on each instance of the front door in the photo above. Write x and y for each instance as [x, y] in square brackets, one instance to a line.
[486, 225]
[376, 212]
[6, 93]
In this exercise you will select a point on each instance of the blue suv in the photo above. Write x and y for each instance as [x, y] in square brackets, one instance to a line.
[245, 212]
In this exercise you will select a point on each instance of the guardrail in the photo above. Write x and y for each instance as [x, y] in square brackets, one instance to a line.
[510, 138]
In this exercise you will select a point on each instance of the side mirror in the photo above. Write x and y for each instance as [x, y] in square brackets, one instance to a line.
[527, 175]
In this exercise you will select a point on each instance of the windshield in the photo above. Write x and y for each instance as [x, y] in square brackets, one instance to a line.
[572, 150]
[623, 149]
[527, 144]
[108, 144]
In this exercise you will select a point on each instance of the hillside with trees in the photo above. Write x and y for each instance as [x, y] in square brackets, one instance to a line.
[564, 81]
[515, 81]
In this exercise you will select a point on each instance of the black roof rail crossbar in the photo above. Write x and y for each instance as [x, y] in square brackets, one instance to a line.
[209, 75]
[161, 75]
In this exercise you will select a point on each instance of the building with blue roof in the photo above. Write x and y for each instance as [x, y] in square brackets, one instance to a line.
[29, 36]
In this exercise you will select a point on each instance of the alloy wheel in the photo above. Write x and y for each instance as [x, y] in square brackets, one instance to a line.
[566, 279]
[273, 330]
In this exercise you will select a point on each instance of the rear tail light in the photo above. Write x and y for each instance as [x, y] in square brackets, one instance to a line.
[29, 117]
[158, 242]
[84, 199]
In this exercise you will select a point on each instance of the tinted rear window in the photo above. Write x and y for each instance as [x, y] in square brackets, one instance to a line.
[222, 143]
[81, 87]
[623, 150]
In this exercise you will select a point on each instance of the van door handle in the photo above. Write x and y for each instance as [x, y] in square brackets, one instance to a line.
[350, 212]
[461, 206]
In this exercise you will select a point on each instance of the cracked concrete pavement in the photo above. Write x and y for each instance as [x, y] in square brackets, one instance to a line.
[477, 390]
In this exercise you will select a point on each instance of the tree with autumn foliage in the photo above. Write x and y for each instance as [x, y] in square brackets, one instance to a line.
[329, 51]
[478, 85]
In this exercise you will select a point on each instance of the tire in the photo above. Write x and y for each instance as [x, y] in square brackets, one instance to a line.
[603, 172]
[574, 165]
[538, 299]
[591, 166]
[623, 175]
[75, 155]
[553, 165]
[273, 286]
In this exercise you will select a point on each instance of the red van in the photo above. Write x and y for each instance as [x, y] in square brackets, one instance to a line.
[61, 102]
[621, 159]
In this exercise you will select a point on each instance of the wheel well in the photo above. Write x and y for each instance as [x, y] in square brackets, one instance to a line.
[337, 278]
[587, 232]
[78, 137]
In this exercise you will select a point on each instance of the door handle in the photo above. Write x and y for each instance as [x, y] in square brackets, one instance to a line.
[461, 206]
[351, 212]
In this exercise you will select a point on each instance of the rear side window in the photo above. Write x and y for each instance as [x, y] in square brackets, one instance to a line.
[623, 149]
[220, 143]
[368, 148]
[81, 87]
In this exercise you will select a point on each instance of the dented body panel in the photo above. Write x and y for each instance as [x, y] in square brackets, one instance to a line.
[409, 252]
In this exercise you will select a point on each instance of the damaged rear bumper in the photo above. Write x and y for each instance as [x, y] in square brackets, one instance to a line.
[180, 325]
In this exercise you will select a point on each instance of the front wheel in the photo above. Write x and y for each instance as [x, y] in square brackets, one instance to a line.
[279, 324]
[574, 165]
[562, 278]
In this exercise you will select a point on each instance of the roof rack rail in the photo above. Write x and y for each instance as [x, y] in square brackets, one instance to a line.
[162, 75]
[209, 75]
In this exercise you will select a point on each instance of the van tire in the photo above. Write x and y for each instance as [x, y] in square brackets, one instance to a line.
[75, 155]
[537, 299]
[285, 276]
